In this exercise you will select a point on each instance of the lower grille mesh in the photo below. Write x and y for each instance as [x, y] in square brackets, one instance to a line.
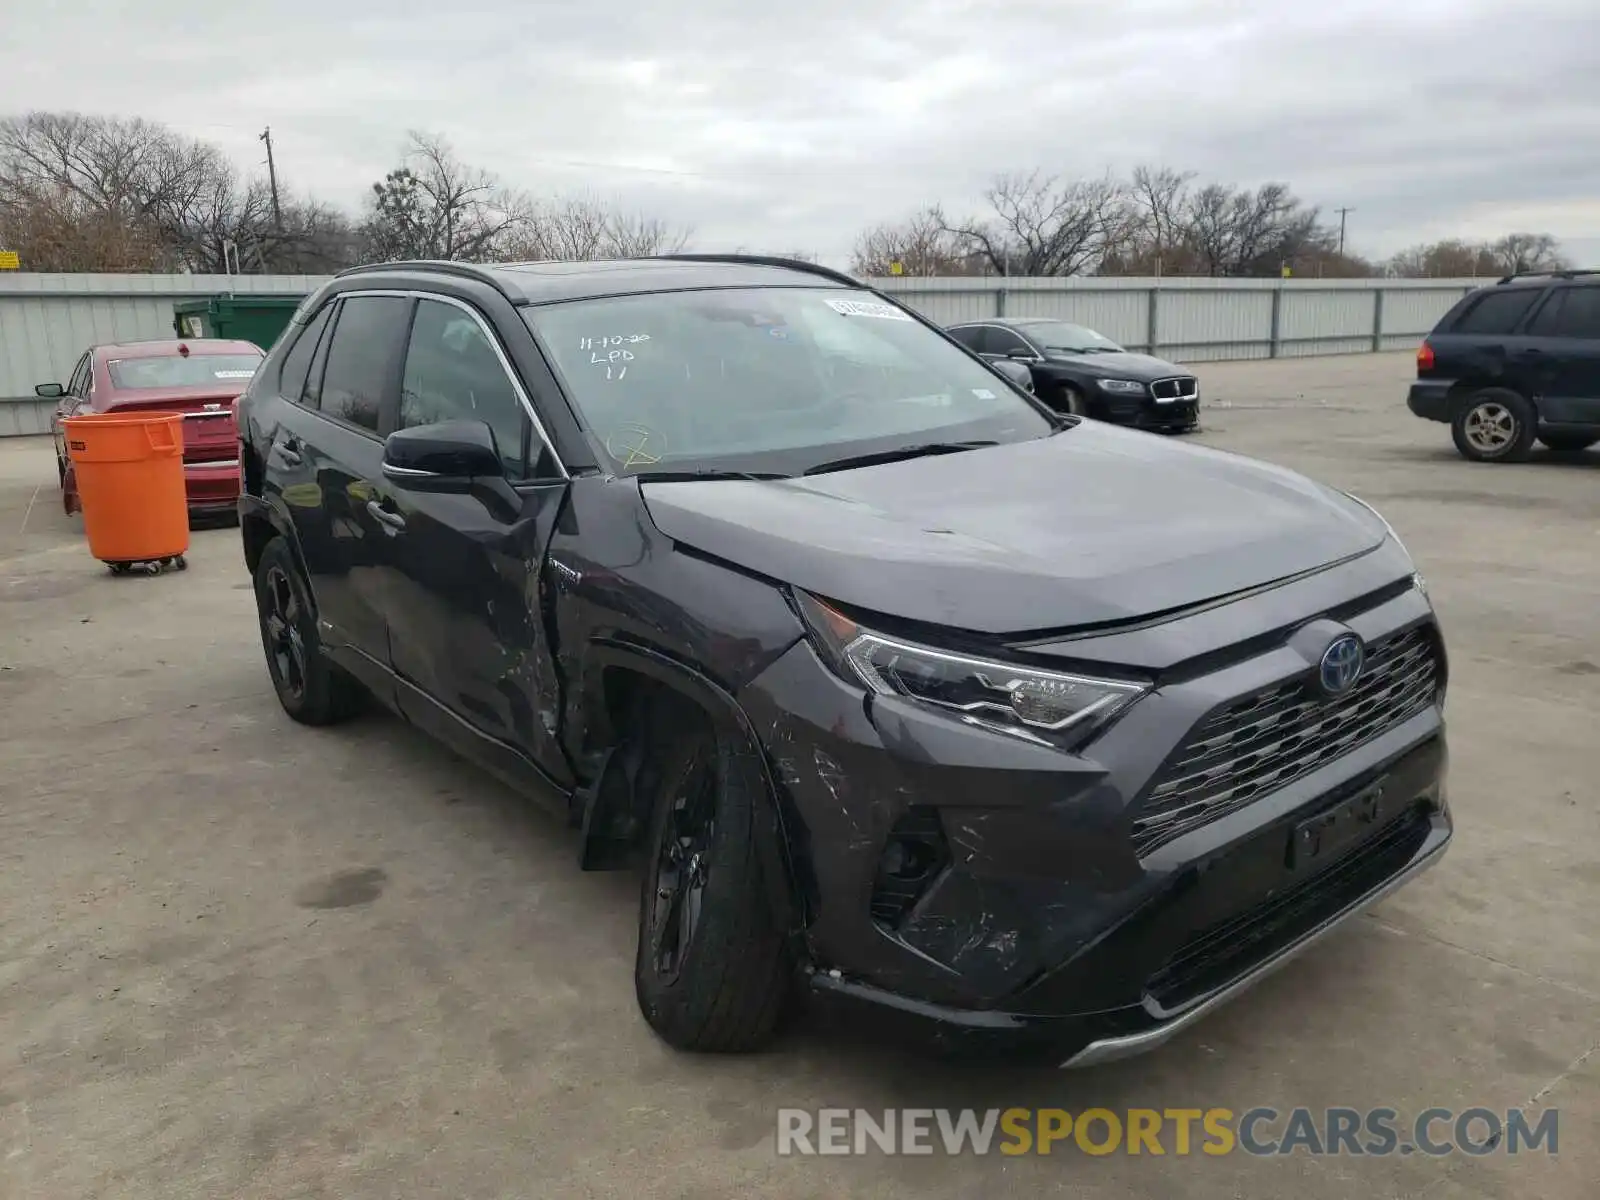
[1216, 955]
[1266, 741]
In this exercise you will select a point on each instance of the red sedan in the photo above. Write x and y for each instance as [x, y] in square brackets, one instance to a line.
[200, 378]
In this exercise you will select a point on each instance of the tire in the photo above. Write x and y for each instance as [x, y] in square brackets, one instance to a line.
[1567, 443]
[712, 970]
[311, 689]
[1494, 425]
[1070, 400]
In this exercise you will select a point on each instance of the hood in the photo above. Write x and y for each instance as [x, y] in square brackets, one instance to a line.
[1093, 525]
[1121, 365]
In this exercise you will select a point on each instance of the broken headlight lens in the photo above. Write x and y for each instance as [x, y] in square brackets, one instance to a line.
[1049, 707]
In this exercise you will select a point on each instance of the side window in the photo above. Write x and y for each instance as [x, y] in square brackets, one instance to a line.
[361, 358]
[970, 336]
[297, 363]
[1577, 317]
[1004, 342]
[452, 373]
[1497, 311]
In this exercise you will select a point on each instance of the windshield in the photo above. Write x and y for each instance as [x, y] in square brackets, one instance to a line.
[1059, 335]
[197, 370]
[770, 379]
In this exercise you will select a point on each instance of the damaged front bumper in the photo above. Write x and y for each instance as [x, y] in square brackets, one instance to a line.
[1037, 925]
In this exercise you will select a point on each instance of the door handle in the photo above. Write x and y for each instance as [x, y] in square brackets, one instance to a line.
[391, 521]
[289, 450]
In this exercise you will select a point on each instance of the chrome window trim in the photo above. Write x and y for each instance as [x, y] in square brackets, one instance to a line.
[494, 342]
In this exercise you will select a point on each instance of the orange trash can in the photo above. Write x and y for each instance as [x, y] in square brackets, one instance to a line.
[129, 470]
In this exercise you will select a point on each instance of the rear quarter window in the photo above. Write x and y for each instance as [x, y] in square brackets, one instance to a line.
[297, 362]
[1496, 312]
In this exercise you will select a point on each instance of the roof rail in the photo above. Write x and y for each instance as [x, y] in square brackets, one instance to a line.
[483, 274]
[765, 260]
[1561, 273]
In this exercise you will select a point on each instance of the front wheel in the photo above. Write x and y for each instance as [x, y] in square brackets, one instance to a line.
[311, 689]
[712, 968]
[1495, 425]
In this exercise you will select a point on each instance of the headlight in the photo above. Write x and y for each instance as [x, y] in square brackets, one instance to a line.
[1125, 386]
[1049, 707]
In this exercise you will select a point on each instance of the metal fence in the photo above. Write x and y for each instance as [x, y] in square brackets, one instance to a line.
[1204, 320]
[46, 321]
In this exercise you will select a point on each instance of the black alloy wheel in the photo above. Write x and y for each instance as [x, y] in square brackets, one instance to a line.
[683, 864]
[280, 630]
[311, 689]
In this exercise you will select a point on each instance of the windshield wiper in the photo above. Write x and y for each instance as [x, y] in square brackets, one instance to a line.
[887, 456]
[706, 473]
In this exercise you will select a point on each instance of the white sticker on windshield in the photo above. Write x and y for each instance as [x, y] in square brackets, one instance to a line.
[983, 393]
[868, 308]
[233, 374]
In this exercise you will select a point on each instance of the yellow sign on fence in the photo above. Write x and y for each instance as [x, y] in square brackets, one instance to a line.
[9, 261]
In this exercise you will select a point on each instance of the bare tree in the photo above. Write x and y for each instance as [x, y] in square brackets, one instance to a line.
[53, 230]
[433, 206]
[177, 203]
[1041, 226]
[1453, 258]
[921, 245]
[1158, 229]
[1244, 232]
[1519, 252]
[580, 228]
[634, 235]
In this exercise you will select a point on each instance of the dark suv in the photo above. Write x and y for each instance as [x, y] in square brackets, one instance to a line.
[1025, 729]
[1516, 362]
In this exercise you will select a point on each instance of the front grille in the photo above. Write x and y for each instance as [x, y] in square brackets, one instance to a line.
[1265, 741]
[1180, 387]
[1215, 956]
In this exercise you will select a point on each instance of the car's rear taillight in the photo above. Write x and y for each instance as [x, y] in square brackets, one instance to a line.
[1424, 358]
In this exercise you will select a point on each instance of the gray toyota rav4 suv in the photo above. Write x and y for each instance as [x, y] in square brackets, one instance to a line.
[901, 692]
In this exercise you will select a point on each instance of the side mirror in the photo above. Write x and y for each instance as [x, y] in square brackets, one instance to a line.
[1018, 373]
[448, 456]
[49, 391]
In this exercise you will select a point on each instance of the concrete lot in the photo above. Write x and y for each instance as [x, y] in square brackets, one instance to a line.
[240, 957]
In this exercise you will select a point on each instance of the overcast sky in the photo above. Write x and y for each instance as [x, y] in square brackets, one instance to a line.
[790, 127]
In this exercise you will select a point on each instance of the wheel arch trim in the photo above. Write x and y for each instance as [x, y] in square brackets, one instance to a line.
[256, 511]
[719, 704]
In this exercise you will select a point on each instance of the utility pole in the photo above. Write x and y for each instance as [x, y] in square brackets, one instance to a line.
[272, 180]
[1343, 212]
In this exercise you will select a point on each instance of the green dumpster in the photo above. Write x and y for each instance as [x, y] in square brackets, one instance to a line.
[258, 319]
